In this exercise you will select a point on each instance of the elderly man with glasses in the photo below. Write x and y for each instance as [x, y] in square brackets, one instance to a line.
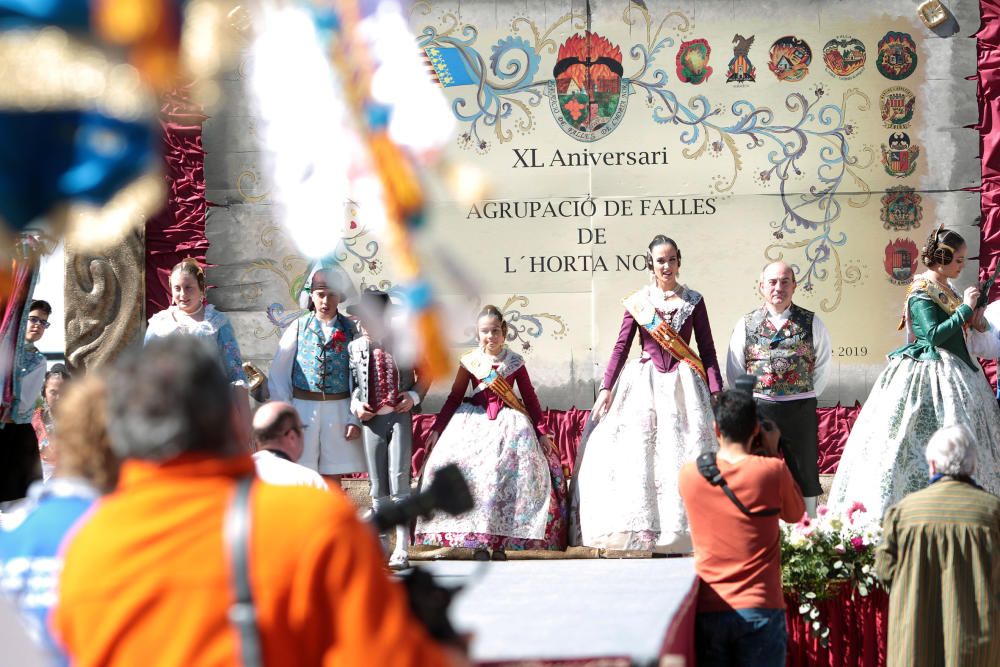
[278, 438]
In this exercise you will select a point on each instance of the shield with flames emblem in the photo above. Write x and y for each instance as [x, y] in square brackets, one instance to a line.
[901, 261]
[588, 93]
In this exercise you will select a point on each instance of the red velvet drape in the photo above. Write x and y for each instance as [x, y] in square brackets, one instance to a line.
[19, 277]
[567, 427]
[178, 231]
[988, 94]
[858, 631]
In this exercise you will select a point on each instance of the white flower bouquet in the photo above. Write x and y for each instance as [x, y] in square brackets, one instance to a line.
[820, 556]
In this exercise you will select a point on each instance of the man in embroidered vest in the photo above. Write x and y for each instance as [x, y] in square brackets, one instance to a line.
[20, 464]
[385, 392]
[788, 348]
[310, 370]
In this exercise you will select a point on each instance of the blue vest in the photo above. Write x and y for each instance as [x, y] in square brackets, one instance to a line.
[322, 365]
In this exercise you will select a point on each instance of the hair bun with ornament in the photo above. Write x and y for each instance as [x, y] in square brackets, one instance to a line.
[940, 247]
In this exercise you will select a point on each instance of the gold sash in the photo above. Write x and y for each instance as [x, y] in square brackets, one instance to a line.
[946, 299]
[482, 369]
[646, 316]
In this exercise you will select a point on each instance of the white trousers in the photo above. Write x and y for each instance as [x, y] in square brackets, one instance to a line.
[326, 450]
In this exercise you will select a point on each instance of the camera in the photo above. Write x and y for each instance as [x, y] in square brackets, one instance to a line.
[745, 383]
[429, 600]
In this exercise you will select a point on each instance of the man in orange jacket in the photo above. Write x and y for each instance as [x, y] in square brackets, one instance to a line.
[147, 580]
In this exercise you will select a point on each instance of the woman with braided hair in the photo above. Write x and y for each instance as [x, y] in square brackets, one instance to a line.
[929, 383]
[652, 415]
[503, 448]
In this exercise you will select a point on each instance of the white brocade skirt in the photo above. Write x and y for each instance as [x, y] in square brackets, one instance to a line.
[625, 493]
[884, 458]
[516, 486]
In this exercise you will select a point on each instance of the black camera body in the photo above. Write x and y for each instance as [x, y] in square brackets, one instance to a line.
[429, 600]
[745, 383]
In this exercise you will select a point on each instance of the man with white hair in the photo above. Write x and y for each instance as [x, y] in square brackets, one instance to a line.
[940, 554]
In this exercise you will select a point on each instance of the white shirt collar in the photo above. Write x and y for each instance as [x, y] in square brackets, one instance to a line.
[779, 317]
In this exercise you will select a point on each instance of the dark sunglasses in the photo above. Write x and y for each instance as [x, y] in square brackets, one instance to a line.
[37, 320]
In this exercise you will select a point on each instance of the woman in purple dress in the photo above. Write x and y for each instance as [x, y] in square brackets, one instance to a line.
[652, 415]
[501, 444]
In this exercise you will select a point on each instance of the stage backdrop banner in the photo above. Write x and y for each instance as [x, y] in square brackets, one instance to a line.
[830, 135]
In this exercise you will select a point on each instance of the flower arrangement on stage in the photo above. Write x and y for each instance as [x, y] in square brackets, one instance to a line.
[820, 556]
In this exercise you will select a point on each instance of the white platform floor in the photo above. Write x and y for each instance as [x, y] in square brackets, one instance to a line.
[563, 609]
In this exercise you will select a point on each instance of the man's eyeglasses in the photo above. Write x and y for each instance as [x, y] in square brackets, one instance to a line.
[37, 320]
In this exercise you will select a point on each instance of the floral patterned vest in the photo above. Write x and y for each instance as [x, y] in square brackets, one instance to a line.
[783, 360]
[322, 365]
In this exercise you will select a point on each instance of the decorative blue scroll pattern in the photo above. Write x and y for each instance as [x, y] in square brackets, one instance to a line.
[508, 90]
[522, 327]
[357, 250]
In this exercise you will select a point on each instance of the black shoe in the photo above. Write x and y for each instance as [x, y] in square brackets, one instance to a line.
[481, 553]
[499, 554]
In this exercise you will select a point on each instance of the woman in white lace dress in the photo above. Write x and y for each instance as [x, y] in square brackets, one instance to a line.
[652, 415]
[929, 383]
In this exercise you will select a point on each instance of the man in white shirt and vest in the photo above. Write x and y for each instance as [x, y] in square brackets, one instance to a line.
[788, 348]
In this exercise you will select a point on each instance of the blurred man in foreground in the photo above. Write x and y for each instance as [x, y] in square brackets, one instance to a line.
[148, 580]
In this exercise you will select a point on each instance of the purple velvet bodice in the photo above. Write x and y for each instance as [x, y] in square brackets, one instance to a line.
[489, 401]
[664, 362]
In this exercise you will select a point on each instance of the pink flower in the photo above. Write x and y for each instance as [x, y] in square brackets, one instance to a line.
[805, 521]
[853, 509]
[858, 543]
[822, 510]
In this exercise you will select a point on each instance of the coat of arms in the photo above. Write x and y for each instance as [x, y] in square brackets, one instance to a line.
[790, 59]
[587, 93]
[692, 61]
[899, 158]
[741, 70]
[896, 104]
[897, 55]
[844, 56]
[901, 261]
[901, 209]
